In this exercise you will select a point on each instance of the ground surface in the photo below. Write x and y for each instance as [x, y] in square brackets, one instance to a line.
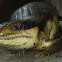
[29, 56]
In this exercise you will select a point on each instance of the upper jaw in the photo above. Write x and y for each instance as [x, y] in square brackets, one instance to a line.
[13, 36]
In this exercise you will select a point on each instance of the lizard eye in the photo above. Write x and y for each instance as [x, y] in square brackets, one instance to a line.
[25, 25]
[16, 27]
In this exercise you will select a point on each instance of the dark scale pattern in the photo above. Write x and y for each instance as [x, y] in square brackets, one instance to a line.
[34, 43]
[27, 25]
[42, 24]
[45, 19]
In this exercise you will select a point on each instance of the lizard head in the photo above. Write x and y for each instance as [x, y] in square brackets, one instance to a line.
[19, 33]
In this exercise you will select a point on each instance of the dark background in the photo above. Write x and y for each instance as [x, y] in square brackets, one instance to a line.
[7, 7]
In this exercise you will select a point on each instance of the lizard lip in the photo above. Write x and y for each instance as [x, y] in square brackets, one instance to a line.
[12, 37]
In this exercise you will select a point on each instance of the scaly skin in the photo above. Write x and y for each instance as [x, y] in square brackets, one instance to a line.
[40, 31]
[16, 38]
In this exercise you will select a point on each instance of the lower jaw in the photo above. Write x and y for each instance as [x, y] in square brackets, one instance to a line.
[21, 43]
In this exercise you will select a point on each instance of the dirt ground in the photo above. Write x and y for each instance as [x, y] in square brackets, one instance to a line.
[28, 56]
